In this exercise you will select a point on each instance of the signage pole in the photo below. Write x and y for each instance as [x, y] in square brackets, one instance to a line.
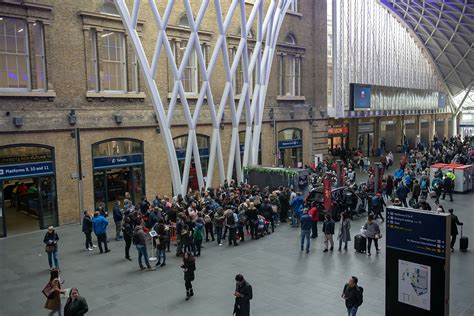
[77, 136]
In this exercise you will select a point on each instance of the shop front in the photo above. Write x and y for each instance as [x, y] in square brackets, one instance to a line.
[439, 129]
[118, 167]
[180, 144]
[338, 138]
[28, 199]
[290, 148]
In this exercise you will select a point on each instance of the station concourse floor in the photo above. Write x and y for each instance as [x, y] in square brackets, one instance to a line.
[285, 280]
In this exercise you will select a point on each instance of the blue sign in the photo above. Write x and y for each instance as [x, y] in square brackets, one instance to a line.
[417, 231]
[362, 96]
[291, 143]
[26, 170]
[118, 161]
[181, 153]
[441, 100]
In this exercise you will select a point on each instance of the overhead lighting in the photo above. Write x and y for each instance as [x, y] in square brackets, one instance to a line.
[1, 19]
[106, 34]
[20, 30]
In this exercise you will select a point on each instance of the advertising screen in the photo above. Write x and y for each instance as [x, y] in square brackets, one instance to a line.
[361, 95]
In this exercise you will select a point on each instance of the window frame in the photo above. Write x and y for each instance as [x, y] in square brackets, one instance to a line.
[122, 63]
[17, 55]
[294, 6]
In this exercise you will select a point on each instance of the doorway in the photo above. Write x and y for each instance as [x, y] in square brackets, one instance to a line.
[28, 200]
[365, 141]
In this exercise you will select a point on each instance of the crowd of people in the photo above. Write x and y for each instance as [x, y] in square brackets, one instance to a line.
[238, 212]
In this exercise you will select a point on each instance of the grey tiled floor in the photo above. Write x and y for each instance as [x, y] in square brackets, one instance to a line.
[285, 280]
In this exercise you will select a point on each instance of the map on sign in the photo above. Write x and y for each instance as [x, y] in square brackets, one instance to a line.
[414, 284]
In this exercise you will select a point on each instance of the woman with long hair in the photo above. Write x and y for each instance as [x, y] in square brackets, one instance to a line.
[76, 305]
[53, 301]
[188, 266]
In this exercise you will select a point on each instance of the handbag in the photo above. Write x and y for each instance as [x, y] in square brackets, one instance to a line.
[49, 248]
[48, 290]
[378, 236]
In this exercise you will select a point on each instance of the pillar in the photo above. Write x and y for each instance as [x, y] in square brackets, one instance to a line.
[398, 130]
[446, 127]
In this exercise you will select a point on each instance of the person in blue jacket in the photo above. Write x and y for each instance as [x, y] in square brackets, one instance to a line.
[100, 223]
[297, 206]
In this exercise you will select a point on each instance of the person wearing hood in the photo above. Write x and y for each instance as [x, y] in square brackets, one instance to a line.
[297, 207]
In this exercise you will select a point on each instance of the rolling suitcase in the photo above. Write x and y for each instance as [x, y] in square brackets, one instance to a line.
[463, 242]
[360, 243]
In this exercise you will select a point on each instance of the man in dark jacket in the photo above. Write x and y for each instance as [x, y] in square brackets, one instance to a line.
[448, 185]
[127, 236]
[118, 217]
[402, 193]
[139, 239]
[243, 295]
[87, 230]
[454, 228]
[328, 231]
[267, 212]
[306, 223]
[352, 294]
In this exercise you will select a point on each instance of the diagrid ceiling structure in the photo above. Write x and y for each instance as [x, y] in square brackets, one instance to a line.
[446, 29]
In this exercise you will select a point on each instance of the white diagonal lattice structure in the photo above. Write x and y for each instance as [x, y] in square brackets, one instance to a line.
[259, 63]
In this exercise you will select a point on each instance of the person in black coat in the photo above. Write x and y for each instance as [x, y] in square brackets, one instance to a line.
[127, 229]
[188, 266]
[454, 228]
[243, 295]
[87, 230]
[284, 204]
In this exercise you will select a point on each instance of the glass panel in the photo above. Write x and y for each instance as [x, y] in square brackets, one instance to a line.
[288, 134]
[47, 195]
[99, 188]
[13, 53]
[112, 61]
[180, 142]
[13, 155]
[2, 219]
[290, 75]
[39, 56]
[138, 183]
[116, 148]
[91, 60]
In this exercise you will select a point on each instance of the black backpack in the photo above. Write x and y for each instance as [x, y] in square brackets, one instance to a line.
[360, 295]
[231, 220]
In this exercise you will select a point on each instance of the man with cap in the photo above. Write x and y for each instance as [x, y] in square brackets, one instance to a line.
[243, 295]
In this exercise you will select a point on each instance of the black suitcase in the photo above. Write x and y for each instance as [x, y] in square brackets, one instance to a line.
[463, 242]
[360, 243]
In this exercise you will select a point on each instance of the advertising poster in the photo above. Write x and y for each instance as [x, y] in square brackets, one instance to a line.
[414, 285]
[327, 193]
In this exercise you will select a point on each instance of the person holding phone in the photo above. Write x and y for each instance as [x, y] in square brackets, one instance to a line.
[243, 295]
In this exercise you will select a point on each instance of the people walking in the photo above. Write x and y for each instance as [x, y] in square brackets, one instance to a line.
[100, 224]
[51, 239]
[306, 223]
[454, 227]
[188, 266]
[297, 207]
[87, 230]
[352, 295]
[344, 235]
[53, 293]
[243, 294]
[328, 231]
[448, 185]
[76, 305]
[139, 239]
[372, 232]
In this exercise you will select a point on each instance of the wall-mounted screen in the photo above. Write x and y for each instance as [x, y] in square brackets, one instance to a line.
[360, 97]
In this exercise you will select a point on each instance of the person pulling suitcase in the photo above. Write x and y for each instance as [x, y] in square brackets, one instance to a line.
[454, 228]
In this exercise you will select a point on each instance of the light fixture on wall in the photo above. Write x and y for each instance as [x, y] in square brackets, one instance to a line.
[311, 113]
[71, 117]
[18, 121]
[118, 118]
[158, 129]
[322, 113]
[271, 114]
[292, 114]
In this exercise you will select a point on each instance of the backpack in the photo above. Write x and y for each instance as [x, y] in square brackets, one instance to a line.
[360, 295]
[424, 184]
[197, 234]
[135, 238]
[231, 220]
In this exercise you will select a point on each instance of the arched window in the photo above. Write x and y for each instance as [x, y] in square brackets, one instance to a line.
[290, 39]
[183, 21]
[117, 147]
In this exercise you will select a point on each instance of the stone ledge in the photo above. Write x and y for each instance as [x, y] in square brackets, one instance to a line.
[29, 94]
[112, 95]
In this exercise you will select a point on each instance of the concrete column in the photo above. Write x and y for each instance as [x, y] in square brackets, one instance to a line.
[377, 130]
[432, 126]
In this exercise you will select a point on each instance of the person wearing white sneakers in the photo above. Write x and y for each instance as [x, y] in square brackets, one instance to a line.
[87, 230]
